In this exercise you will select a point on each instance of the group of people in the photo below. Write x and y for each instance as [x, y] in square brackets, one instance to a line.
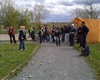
[22, 36]
[65, 34]
[68, 34]
[44, 34]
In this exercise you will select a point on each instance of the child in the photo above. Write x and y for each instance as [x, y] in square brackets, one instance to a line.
[22, 38]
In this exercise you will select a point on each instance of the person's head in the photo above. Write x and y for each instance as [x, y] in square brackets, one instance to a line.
[83, 23]
[11, 27]
[72, 25]
[22, 27]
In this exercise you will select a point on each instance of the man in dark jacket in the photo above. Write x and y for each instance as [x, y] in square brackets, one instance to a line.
[85, 47]
[84, 32]
[79, 36]
[66, 34]
[71, 35]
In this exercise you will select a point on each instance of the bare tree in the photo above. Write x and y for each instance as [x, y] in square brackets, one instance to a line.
[79, 13]
[88, 10]
[39, 14]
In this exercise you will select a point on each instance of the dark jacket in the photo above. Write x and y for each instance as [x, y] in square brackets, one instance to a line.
[72, 30]
[79, 31]
[22, 35]
[67, 30]
[85, 30]
[57, 34]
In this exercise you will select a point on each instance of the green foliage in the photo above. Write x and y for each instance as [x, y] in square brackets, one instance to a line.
[11, 17]
[11, 57]
[36, 26]
[25, 18]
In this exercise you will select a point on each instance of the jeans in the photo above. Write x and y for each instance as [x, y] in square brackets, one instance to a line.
[57, 41]
[22, 45]
[41, 39]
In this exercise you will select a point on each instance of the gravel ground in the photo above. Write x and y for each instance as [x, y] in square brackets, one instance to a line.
[56, 63]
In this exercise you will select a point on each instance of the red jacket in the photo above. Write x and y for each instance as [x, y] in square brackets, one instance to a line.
[11, 31]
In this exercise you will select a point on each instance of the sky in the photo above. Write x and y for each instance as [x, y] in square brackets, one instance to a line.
[60, 10]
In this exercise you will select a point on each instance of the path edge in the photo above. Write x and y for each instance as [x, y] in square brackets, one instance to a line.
[21, 66]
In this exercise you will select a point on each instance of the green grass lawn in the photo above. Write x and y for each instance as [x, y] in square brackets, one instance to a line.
[11, 57]
[94, 58]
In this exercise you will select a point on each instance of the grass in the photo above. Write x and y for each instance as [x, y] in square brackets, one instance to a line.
[94, 58]
[11, 57]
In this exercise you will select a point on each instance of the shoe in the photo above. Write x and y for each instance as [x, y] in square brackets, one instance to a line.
[20, 49]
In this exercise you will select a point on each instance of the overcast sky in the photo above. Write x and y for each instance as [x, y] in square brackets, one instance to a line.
[60, 10]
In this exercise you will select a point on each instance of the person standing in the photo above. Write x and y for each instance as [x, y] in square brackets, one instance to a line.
[57, 35]
[12, 35]
[66, 34]
[32, 33]
[22, 38]
[71, 35]
[85, 48]
[53, 34]
[79, 36]
[85, 31]
[40, 33]
[62, 33]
